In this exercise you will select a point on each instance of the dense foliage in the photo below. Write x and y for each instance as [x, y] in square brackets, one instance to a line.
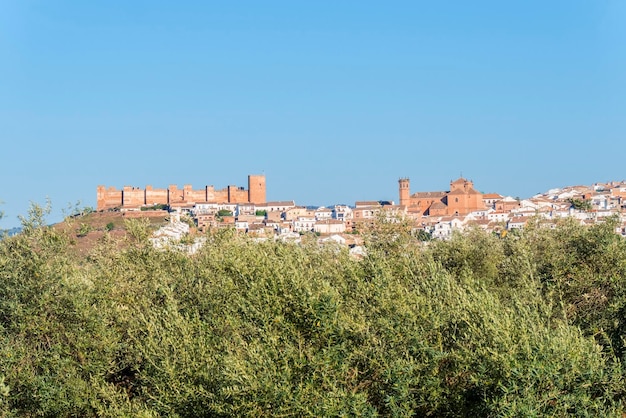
[530, 324]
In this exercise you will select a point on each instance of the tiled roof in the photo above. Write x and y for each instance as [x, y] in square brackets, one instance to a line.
[367, 203]
[279, 203]
[424, 195]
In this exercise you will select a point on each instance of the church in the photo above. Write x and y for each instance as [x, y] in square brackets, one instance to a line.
[460, 200]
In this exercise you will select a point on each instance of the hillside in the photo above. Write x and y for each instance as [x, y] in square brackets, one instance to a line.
[86, 230]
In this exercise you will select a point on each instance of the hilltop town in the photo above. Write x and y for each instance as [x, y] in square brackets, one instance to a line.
[436, 213]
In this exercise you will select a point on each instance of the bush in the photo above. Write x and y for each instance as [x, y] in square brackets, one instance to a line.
[83, 229]
[246, 328]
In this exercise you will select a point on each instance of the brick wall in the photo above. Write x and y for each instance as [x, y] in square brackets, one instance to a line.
[133, 197]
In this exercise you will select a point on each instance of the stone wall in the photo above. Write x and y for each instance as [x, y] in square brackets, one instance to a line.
[134, 197]
[156, 196]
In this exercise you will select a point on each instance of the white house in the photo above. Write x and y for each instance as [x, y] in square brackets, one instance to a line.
[336, 238]
[329, 226]
[517, 222]
[323, 213]
[245, 209]
[278, 206]
[600, 201]
[342, 212]
[241, 225]
[443, 229]
[205, 208]
[304, 224]
[498, 216]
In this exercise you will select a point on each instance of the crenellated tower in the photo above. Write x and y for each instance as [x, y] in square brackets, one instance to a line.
[256, 189]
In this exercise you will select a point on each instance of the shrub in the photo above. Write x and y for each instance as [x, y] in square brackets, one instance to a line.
[246, 328]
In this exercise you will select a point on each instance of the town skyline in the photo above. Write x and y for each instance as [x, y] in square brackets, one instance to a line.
[57, 216]
[333, 102]
[430, 214]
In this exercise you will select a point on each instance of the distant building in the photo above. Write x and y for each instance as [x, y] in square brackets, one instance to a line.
[461, 199]
[133, 198]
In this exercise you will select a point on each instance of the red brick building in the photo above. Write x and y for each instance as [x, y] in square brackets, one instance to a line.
[461, 199]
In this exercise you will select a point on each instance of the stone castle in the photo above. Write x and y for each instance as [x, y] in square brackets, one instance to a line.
[130, 198]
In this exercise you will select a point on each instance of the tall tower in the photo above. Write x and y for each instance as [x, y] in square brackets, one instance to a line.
[256, 188]
[403, 185]
[101, 197]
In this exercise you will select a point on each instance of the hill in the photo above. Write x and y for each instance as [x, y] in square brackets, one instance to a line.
[85, 231]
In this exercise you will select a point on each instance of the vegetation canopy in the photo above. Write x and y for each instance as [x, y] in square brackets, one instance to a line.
[529, 324]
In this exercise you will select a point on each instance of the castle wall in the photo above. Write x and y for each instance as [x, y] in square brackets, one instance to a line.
[133, 196]
[237, 195]
[221, 196]
[144, 214]
[176, 195]
[156, 196]
[194, 196]
[108, 198]
[210, 194]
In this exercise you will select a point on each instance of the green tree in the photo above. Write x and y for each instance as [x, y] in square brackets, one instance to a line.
[423, 235]
[138, 229]
[224, 212]
[580, 204]
[83, 229]
[248, 328]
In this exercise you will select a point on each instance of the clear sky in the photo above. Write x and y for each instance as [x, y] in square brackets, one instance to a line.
[332, 100]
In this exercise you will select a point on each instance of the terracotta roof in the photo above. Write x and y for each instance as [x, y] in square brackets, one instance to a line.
[519, 219]
[470, 191]
[434, 195]
[480, 221]
[460, 180]
[438, 205]
[367, 203]
[279, 203]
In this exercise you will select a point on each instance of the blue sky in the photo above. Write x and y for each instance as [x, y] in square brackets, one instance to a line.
[332, 100]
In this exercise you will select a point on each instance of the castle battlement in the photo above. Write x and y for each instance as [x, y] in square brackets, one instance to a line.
[134, 197]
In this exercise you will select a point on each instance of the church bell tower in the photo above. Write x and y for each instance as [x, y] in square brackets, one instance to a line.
[403, 186]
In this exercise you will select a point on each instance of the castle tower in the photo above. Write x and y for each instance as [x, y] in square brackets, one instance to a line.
[256, 188]
[101, 197]
[403, 185]
[108, 198]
